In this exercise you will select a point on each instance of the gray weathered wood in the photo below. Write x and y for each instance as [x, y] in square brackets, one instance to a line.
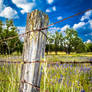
[34, 46]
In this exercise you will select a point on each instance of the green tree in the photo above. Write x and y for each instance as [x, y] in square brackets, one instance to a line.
[1, 29]
[9, 46]
[49, 43]
[79, 46]
[57, 41]
[89, 47]
[72, 42]
[61, 48]
[1, 35]
[54, 42]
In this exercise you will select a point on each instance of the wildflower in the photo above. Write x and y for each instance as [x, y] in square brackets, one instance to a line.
[57, 65]
[70, 65]
[67, 82]
[82, 90]
[41, 68]
[59, 80]
[81, 68]
[61, 76]
[91, 59]
[64, 65]
[85, 69]
[60, 64]
[88, 69]
[48, 65]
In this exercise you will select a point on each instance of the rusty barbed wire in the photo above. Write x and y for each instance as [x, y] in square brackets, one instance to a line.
[43, 28]
[24, 81]
[49, 62]
[70, 17]
[21, 35]
[59, 62]
[34, 86]
[4, 80]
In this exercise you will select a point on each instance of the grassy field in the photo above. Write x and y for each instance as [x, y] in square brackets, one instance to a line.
[61, 56]
[73, 57]
[55, 78]
[9, 77]
[67, 78]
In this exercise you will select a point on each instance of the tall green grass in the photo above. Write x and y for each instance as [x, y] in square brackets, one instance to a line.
[9, 77]
[67, 78]
[55, 77]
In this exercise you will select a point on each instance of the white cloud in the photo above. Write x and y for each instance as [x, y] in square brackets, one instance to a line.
[86, 15]
[8, 12]
[48, 10]
[54, 8]
[65, 27]
[88, 41]
[1, 5]
[22, 11]
[24, 4]
[21, 29]
[59, 18]
[52, 30]
[51, 9]
[55, 28]
[1, 2]
[50, 1]
[90, 22]
[79, 25]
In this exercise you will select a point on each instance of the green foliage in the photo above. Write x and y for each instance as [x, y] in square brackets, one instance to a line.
[54, 42]
[10, 77]
[72, 42]
[89, 47]
[58, 39]
[69, 43]
[1, 29]
[9, 30]
[85, 79]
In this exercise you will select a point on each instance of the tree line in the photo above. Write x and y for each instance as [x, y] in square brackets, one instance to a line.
[70, 42]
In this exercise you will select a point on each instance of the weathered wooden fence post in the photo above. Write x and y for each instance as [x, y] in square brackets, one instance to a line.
[34, 46]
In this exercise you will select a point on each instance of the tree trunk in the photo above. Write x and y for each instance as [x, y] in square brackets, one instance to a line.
[56, 52]
[34, 48]
[67, 52]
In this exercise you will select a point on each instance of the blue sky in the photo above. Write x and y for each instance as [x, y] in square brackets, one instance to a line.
[56, 10]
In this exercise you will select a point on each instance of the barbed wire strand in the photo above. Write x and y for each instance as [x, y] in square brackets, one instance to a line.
[49, 62]
[70, 17]
[43, 28]
[24, 81]
[61, 62]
